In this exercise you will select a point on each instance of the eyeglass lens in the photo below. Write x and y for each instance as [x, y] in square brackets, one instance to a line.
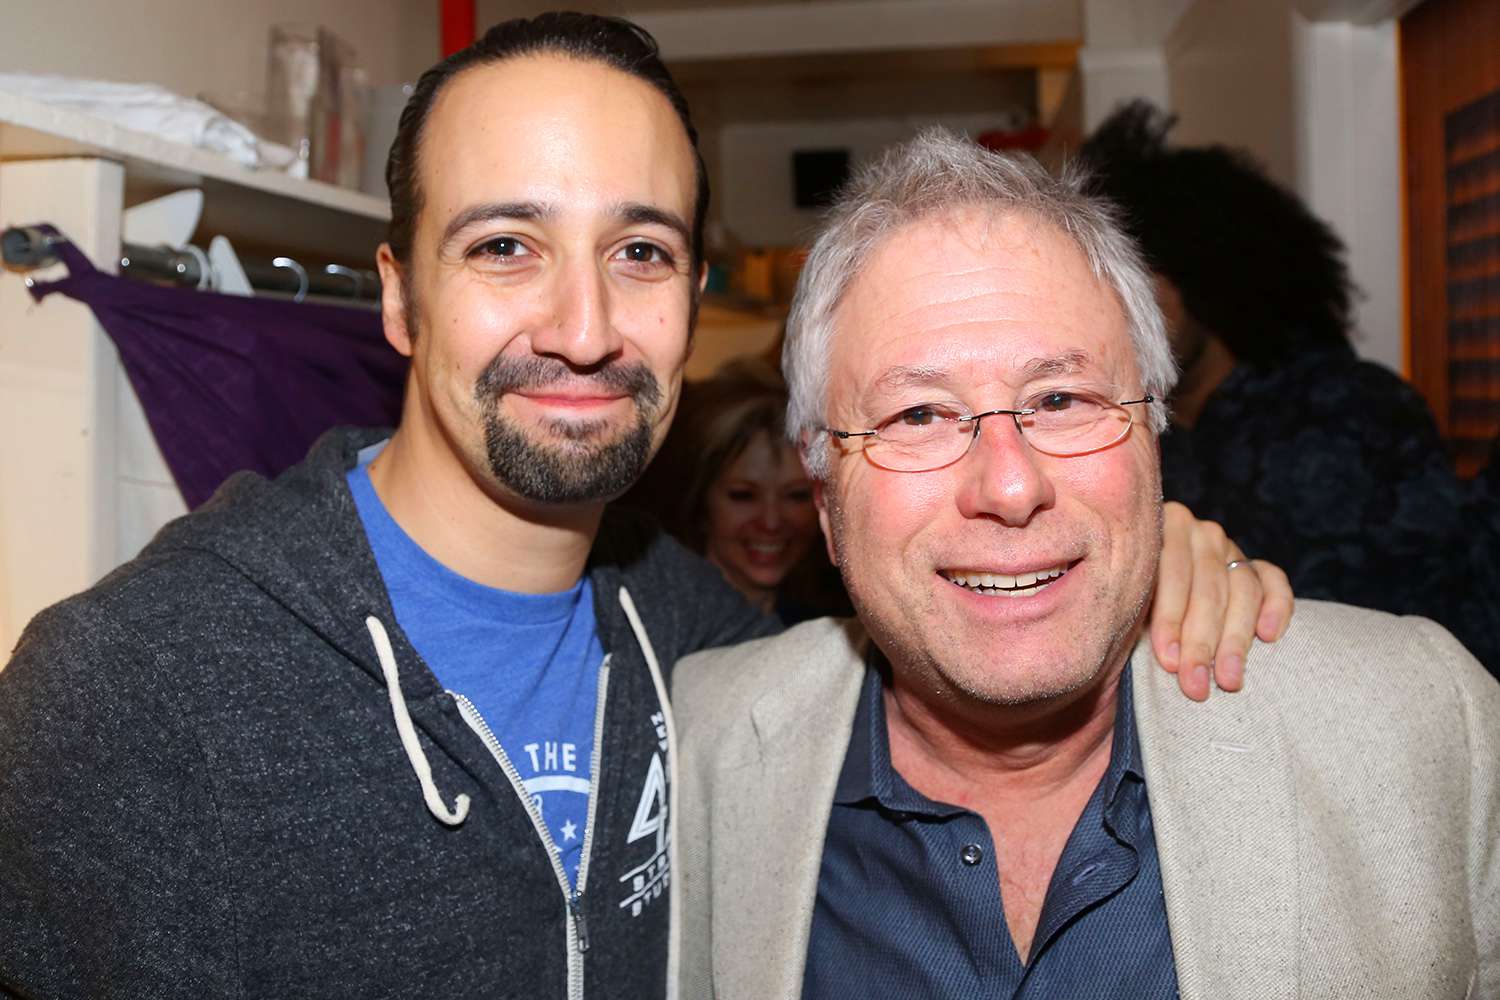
[932, 437]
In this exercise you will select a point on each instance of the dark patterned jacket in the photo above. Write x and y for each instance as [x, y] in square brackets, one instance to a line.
[1332, 468]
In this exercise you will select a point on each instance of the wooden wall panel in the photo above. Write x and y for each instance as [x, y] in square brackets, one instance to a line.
[1450, 63]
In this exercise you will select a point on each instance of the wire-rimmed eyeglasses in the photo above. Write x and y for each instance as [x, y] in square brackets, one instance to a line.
[1062, 422]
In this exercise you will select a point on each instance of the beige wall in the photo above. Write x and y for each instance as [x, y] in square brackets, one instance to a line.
[1230, 79]
[1316, 103]
[196, 46]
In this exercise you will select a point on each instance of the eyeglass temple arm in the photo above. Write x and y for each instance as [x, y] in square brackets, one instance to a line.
[846, 435]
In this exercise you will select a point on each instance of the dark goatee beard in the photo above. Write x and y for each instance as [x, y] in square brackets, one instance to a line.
[590, 464]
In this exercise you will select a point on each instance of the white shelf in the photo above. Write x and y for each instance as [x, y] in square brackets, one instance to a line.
[83, 484]
[256, 208]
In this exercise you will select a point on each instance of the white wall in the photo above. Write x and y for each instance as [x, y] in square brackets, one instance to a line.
[1131, 23]
[1348, 141]
[755, 166]
[1114, 76]
[1318, 105]
[1229, 68]
[1122, 57]
[196, 46]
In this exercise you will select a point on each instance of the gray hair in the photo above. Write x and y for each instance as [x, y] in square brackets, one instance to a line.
[935, 173]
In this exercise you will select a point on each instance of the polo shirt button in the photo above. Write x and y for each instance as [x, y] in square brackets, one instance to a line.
[971, 854]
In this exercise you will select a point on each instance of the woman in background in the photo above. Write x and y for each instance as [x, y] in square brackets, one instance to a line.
[731, 487]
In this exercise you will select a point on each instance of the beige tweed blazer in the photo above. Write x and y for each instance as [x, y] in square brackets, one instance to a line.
[1332, 831]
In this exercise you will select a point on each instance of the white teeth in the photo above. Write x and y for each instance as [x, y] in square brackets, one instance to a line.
[1000, 584]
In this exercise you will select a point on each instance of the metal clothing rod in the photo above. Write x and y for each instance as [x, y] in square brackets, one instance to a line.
[24, 248]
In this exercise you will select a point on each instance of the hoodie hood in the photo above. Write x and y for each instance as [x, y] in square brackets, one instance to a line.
[298, 538]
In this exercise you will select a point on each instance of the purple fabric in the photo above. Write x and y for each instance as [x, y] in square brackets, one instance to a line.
[232, 383]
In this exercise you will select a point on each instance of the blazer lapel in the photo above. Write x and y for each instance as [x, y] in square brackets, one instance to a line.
[770, 818]
[1224, 809]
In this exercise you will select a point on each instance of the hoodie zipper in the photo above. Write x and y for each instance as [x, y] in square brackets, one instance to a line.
[588, 824]
[577, 925]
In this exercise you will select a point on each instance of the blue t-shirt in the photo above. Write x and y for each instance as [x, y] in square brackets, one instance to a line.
[529, 663]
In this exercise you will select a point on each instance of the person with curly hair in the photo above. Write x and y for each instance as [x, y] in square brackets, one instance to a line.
[1275, 412]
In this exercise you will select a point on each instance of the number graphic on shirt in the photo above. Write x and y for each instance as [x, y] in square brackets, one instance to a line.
[651, 811]
[649, 881]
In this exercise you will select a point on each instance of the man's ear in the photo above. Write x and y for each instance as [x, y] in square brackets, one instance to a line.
[820, 500]
[695, 303]
[393, 300]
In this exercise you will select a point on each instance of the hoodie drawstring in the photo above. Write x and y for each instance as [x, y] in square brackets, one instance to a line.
[639, 628]
[408, 733]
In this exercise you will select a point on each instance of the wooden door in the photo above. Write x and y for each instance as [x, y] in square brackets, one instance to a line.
[1450, 64]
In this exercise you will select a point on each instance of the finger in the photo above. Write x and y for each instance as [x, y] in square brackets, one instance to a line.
[1278, 605]
[1173, 578]
[1240, 618]
[1203, 624]
[1193, 681]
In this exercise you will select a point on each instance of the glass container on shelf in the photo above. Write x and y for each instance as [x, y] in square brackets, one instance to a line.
[317, 94]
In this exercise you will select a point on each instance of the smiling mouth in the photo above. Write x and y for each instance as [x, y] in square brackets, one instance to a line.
[1005, 585]
[567, 399]
[768, 548]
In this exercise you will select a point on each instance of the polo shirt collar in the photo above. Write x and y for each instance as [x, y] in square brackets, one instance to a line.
[868, 774]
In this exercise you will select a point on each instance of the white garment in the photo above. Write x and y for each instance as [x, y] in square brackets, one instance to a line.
[144, 107]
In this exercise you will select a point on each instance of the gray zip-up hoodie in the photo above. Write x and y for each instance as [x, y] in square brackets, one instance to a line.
[205, 790]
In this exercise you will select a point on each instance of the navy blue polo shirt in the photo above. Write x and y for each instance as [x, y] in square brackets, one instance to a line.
[909, 896]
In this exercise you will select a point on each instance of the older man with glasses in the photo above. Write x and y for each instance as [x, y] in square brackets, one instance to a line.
[979, 788]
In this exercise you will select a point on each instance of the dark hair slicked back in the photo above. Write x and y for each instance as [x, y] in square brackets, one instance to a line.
[612, 41]
[1249, 259]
